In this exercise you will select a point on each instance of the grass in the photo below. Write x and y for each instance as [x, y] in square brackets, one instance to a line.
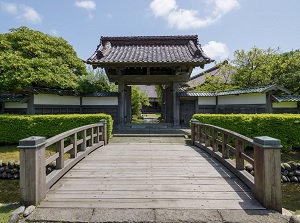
[10, 194]
[137, 120]
[10, 189]
[11, 152]
[8, 153]
[6, 211]
[156, 115]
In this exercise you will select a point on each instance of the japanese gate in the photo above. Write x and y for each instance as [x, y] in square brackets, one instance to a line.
[149, 60]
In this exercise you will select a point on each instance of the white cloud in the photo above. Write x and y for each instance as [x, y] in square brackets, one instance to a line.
[9, 7]
[30, 14]
[189, 19]
[22, 12]
[186, 19]
[89, 5]
[162, 7]
[216, 50]
[222, 7]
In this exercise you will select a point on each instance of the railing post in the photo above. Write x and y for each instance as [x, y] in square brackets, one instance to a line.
[214, 141]
[90, 141]
[83, 136]
[32, 170]
[267, 176]
[225, 152]
[60, 161]
[207, 136]
[239, 149]
[193, 130]
[73, 151]
[98, 134]
[104, 131]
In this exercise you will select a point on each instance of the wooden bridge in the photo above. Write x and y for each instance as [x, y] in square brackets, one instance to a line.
[150, 175]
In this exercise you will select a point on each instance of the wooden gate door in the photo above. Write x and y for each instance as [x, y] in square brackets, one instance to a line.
[187, 110]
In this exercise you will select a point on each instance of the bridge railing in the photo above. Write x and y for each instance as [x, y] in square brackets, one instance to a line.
[78, 143]
[227, 146]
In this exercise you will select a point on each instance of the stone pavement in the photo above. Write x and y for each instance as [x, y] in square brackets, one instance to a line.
[93, 215]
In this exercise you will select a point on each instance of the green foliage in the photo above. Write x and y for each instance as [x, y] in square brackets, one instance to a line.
[17, 127]
[158, 89]
[31, 58]
[285, 127]
[219, 82]
[7, 210]
[138, 98]
[259, 67]
[95, 81]
[113, 87]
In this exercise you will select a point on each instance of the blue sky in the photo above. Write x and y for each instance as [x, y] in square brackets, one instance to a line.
[223, 26]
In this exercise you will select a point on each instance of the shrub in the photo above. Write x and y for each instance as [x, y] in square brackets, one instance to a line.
[16, 127]
[285, 127]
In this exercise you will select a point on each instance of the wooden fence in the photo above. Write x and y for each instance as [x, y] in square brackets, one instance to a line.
[34, 183]
[226, 146]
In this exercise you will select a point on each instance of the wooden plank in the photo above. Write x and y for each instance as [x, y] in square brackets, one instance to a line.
[143, 181]
[150, 176]
[147, 195]
[88, 187]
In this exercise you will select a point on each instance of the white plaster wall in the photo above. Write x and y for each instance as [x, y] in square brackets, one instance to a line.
[284, 104]
[242, 99]
[50, 99]
[15, 105]
[100, 101]
[206, 100]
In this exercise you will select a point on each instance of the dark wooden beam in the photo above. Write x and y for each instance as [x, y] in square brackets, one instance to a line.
[148, 79]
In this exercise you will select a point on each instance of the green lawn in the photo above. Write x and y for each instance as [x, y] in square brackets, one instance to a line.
[5, 212]
[10, 194]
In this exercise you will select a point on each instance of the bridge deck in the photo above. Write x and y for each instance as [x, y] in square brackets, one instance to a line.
[150, 175]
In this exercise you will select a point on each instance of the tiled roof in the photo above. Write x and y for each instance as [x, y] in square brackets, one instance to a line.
[149, 49]
[197, 94]
[209, 70]
[286, 98]
[53, 91]
[199, 79]
[101, 94]
[6, 97]
[71, 93]
[261, 89]
[150, 90]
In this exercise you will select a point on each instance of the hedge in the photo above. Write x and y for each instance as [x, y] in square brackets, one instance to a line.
[16, 127]
[285, 127]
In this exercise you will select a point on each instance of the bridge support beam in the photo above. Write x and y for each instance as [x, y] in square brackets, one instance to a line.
[267, 176]
[32, 170]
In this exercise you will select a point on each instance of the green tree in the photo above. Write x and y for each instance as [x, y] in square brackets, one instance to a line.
[95, 81]
[138, 98]
[219, 82]
[31, 58]
[259, 67]
[159, 92]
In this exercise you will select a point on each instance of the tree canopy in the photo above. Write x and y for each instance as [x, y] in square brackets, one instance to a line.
[257, 67]
[30, 58]
[219, 82]
[95, 81]
[138, 98]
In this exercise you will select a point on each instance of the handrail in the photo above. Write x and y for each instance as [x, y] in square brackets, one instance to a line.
[34, 183]
[219, 142]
